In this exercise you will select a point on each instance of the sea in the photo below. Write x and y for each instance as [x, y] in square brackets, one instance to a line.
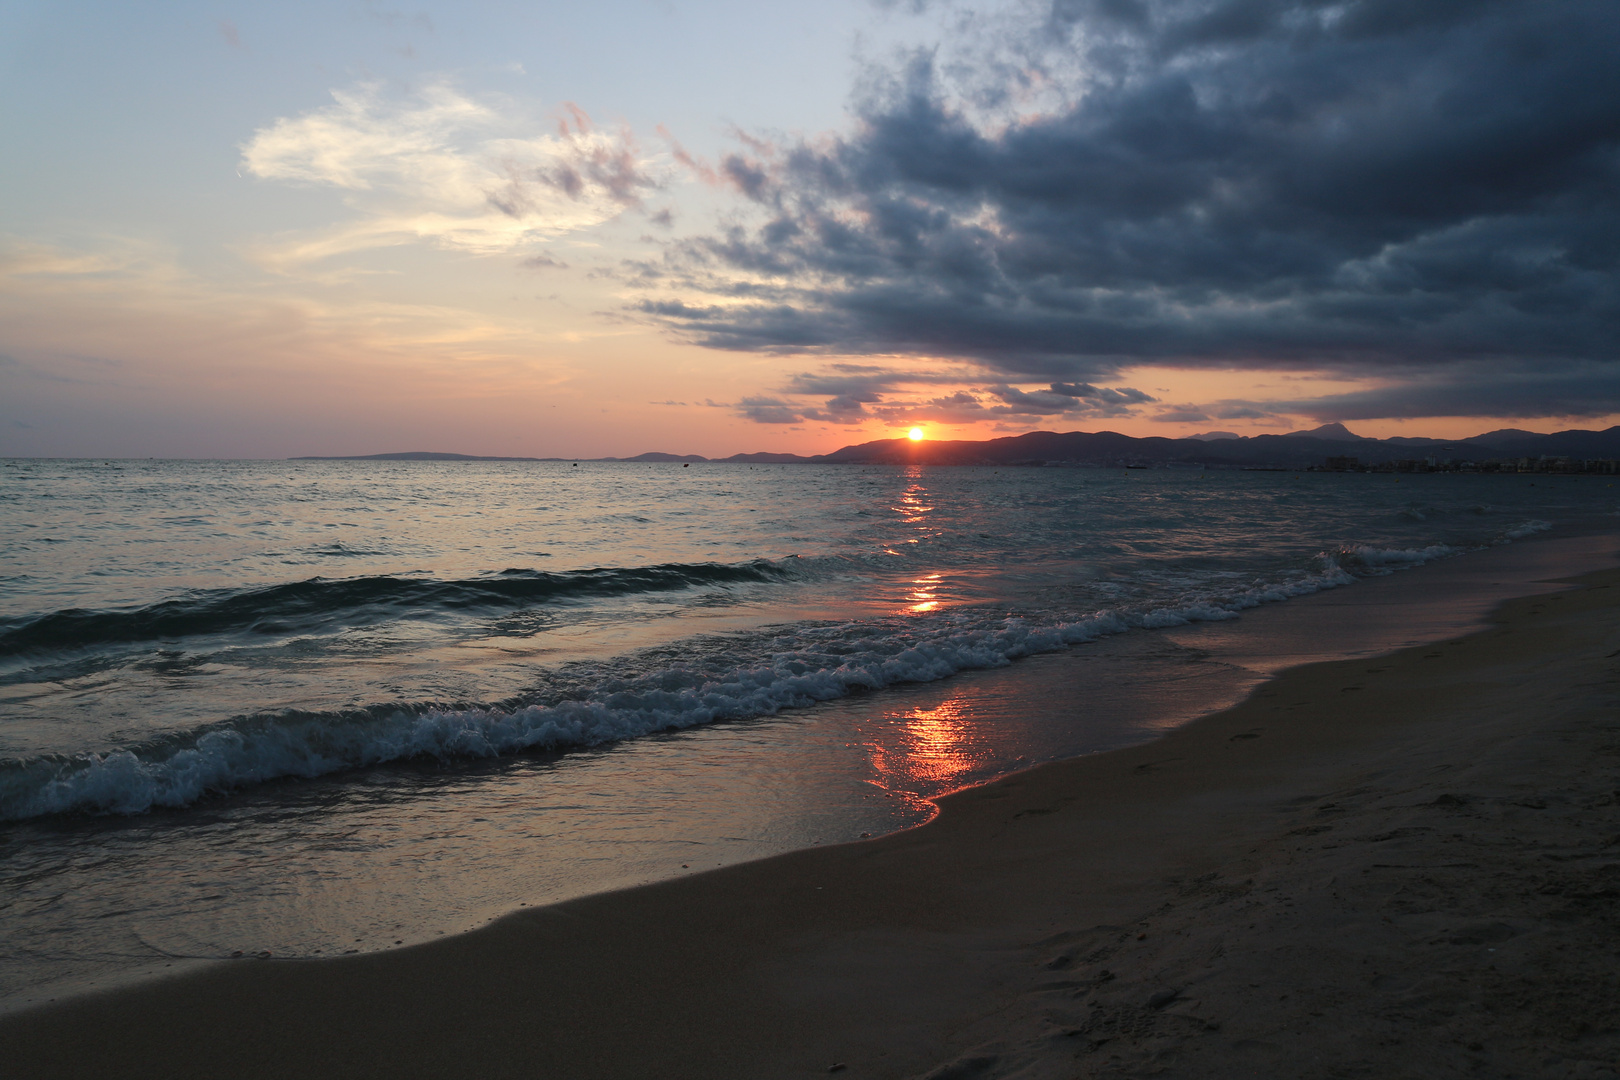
[297, 709]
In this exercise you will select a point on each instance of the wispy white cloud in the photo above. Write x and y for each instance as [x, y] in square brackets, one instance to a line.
[445, 168]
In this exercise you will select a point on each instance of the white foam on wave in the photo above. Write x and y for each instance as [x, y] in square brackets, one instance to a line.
[1383, 559]
[805, 665]
[1528, 528]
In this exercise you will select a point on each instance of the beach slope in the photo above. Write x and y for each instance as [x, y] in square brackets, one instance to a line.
[1400, 866]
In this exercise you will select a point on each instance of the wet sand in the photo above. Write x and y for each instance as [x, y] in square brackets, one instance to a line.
[1401, 866]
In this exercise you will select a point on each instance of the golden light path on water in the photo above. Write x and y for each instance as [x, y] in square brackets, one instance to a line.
[924, 593]
[935, 748]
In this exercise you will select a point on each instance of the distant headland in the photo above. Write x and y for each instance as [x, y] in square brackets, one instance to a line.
[416, 455]
[1331, 447]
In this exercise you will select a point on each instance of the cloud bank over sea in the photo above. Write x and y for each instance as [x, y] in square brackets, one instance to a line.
[1425, 193]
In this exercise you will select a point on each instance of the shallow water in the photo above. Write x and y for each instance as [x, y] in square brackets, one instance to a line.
[339, 705]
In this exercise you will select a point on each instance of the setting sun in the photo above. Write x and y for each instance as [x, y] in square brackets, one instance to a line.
[915, 434]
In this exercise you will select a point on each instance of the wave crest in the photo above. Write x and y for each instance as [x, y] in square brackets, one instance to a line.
[318, 602]
[794, 667]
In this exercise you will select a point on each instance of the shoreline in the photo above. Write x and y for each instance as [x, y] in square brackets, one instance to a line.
[722, 794]
[916, 948]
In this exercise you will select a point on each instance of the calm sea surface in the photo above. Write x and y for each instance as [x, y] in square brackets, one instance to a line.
[306, 708]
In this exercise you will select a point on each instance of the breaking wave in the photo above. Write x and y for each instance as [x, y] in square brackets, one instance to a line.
[323, 602]
[699, 681]
[737, 678]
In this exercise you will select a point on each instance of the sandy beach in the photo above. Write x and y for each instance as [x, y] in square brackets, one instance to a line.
[1405, 865]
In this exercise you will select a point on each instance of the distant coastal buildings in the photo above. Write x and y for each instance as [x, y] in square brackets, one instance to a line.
[1546, 463]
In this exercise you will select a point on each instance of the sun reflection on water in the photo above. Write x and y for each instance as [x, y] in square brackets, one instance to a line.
[924, 593]
[932, 751]
[913, 505]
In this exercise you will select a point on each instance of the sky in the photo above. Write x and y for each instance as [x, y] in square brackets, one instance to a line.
[541, 229]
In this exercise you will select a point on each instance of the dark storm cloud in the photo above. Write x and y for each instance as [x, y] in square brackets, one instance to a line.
[1067, 398]
[1123, 395]
[1590, 389]
[1369, 186]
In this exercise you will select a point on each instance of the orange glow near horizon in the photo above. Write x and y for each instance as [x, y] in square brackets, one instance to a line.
[915, 434]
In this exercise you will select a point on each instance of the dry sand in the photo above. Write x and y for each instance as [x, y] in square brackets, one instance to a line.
[1406, 866]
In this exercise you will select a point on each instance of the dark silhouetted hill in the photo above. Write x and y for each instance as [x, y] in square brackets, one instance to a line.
[1296, 450]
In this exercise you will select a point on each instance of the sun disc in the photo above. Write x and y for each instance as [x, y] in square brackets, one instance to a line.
[915, 434]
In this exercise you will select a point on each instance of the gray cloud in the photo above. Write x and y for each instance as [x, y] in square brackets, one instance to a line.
[860, 382]
[1421, 188]
[1181, 416]
[544, 260]
[1242, 410]
[855, 392]
[1083, 399]
[1577, 390]
[1123, 395]
[765, 410]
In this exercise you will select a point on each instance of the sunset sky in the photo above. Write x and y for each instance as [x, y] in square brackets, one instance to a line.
[261, 230]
